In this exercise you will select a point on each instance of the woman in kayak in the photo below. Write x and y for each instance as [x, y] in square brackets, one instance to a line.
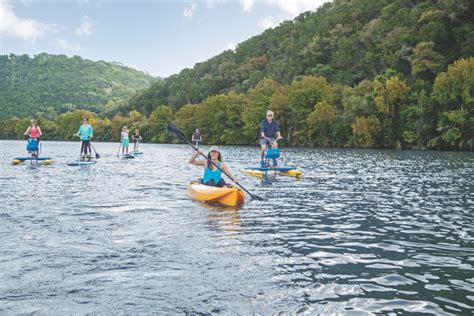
[212, 174]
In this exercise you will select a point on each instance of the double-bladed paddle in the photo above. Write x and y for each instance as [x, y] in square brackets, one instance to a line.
[176, 131]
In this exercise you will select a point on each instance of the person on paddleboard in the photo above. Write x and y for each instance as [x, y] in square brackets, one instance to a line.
[136, 138]
[85, 133]
[34, 134]
[124, 140]
[34, 131]
[196, 137]
[269, 133]
[212, 174]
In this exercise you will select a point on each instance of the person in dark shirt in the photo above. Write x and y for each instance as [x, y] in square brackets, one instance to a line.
[269, 133]
[197, 137]
[136, 138]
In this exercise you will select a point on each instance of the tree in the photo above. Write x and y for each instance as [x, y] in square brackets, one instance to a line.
[426, 62]
[320, 122]
[158, 121]
[453, 92]
[390, 101]
[260, 99]
[303, 94]
[365, 131]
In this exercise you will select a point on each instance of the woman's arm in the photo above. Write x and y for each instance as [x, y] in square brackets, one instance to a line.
[195, 162]
[79, 131]
[27, 131]
[39, 131]
[227, 170]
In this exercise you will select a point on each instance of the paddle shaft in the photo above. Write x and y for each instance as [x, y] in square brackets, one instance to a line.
[118, 151]
[97, 156]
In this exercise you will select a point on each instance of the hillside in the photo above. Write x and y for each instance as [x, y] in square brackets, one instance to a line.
[48, 85]
[360, 73]
[344, 42]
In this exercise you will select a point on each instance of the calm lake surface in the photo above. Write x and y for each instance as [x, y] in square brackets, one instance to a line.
[364, 231]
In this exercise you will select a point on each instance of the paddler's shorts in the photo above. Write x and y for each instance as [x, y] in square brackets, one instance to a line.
[265, 141]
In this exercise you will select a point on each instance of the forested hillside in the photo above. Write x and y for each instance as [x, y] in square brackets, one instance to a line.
[361, 73]
[345, 42]
[47, 85]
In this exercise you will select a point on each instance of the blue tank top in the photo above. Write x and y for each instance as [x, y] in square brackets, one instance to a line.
[212, 174]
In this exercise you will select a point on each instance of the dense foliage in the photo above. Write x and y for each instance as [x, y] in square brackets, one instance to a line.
[47, 85]
[360, 73]
[344, 41]
[365, 73]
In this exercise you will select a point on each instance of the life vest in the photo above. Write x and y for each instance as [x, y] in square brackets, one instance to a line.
[34, 132]
[31, 145]
[212, 174]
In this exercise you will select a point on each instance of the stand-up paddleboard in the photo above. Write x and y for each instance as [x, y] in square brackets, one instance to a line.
[128, 156]
[42, 160]
[75, 163]
[283, 171]
[136, 152]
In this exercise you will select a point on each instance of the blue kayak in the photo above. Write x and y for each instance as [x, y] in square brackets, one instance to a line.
[30, 158]
[128, 156]
[81, 163]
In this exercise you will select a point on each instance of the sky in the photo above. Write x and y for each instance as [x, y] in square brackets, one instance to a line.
[155, 36]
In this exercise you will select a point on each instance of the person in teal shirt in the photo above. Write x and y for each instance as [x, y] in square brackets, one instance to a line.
[212, 174]
[86, 133]
[124, 140]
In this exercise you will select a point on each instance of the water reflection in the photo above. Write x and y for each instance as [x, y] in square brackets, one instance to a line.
[225, 218]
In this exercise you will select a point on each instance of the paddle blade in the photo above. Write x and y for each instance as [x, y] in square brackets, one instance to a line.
[256, 197]
[173, 129]
[97, 156]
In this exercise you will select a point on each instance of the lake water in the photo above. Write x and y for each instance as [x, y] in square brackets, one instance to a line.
[365, 231]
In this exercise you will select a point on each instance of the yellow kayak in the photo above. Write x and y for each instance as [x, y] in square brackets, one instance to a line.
[260, 172]
[228, 196]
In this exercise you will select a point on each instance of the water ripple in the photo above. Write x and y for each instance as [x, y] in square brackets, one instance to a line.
[363, 232]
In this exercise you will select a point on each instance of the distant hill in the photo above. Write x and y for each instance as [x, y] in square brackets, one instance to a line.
[345, 41]
[48, 85]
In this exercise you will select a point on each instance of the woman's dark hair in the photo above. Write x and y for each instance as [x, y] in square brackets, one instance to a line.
[219, 157]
